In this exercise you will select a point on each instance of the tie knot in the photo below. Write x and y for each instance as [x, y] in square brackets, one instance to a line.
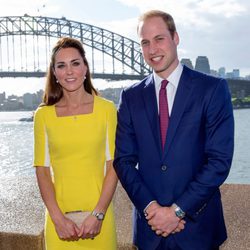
[164, 84]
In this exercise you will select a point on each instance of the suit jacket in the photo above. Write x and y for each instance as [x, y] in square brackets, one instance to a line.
[196, 159]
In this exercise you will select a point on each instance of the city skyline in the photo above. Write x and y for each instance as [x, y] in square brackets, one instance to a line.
[11, 86]
[240, 93]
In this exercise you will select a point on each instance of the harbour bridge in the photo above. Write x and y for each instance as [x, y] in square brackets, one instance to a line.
[26, 43]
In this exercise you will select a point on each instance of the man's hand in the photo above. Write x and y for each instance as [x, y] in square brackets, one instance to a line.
[163, 220]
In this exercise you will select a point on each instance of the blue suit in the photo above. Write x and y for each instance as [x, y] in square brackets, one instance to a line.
[196, 159]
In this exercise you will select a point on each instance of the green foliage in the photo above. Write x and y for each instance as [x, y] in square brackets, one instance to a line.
[241, 103]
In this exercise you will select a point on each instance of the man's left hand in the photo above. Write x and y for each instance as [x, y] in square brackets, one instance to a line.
[163, 220]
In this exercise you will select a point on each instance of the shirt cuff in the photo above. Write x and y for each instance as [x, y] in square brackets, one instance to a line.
[144, 211]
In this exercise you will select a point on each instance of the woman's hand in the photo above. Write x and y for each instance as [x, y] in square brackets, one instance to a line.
[66, 229]
[90, 228]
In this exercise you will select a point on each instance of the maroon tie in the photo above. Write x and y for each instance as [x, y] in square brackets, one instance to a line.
[163, 111]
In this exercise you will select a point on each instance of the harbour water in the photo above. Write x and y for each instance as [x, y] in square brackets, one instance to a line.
[16, 146]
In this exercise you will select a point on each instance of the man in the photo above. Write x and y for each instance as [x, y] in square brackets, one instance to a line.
[172, 167]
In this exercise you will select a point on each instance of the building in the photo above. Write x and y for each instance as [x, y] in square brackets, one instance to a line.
[236, 73]
[187, 62]
[202, 64]
[239, 88]
[214, 73]
[222, 72]
[28, 101]
[2, 97]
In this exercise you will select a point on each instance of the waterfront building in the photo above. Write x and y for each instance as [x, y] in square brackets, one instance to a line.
[187, 62]
[214, 72]
[28, 100]
[236, 73]
[2, 97]
[222, 72]
[239, 88]
[202, 64]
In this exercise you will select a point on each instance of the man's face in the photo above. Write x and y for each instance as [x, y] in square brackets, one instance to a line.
[159, 48]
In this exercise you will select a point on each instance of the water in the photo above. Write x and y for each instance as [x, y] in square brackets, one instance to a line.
[240, 171]
[16, 146]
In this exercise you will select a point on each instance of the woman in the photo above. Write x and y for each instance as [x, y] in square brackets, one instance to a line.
[74, 133]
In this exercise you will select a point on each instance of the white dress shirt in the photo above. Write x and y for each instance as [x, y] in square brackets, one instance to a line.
[173, 81]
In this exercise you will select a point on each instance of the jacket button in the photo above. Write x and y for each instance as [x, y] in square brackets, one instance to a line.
[163, 167]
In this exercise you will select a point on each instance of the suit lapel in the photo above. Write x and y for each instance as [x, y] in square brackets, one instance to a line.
[183, 93]
[150, 103]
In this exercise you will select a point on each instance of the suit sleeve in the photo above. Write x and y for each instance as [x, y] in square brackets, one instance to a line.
[126, 158]
[219, 147]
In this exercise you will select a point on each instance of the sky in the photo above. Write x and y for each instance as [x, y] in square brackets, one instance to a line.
[217, 29]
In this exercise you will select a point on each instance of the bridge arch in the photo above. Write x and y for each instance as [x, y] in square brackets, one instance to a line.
[20, 42]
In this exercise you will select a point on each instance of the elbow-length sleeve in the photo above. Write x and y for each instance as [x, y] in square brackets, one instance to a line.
[41, 149]
[111, 131]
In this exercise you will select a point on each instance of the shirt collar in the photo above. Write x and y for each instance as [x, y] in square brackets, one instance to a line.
[173, 78]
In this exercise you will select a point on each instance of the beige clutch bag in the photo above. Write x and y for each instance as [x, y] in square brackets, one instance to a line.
[77, 216]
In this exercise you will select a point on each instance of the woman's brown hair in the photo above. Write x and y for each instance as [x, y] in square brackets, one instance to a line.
[53, 90]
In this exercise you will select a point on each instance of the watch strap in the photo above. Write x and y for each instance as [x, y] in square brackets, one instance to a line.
[98, 215]
[178, 211]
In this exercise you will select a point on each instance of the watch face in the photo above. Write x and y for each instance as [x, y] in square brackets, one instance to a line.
[100, 216]
[179, 213]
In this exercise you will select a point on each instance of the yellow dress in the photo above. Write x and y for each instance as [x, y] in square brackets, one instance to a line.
[76, 147]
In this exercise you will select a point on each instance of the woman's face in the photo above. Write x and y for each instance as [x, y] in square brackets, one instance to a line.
[69, 69]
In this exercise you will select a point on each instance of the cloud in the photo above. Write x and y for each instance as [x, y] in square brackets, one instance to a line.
[16, 8]
[125, 28]
[191, 9]
[229, 8]
[217, 29]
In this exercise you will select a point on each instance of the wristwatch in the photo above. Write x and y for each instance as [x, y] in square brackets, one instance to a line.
[178, 211]
[99, 216]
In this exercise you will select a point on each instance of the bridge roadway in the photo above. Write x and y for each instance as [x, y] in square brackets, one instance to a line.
[236, 86]
[107, 76]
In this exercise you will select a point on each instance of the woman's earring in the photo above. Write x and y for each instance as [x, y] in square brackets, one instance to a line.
[84, 78]
[57, 81]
